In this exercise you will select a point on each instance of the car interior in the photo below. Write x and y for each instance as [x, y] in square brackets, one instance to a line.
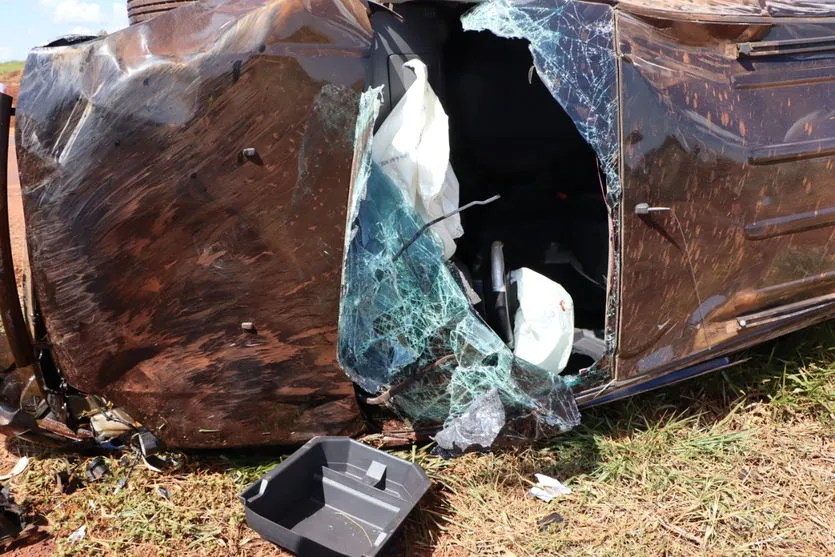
[508, 136]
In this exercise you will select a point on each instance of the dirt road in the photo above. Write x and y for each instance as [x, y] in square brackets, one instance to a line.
[16, 226]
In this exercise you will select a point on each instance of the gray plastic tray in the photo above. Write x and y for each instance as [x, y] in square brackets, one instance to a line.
[334, 496]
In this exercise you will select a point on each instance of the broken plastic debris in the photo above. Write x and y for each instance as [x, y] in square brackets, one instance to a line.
[78, 535]
[97, 469]
[159, 464]
[546, 522]
[547, 488]
[108, 424]
[369, 495]
[12, 517]
[477, 428]
[412, 147]
[123, 482]
[19, 467]
[543, 328]
[148, 443]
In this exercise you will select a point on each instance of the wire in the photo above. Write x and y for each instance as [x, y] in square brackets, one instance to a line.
[423, 229]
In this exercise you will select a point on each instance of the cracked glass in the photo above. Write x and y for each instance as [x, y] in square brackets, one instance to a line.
[407, 328]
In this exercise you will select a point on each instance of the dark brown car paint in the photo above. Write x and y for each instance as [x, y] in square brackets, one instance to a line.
[151, 245]
[143, 284]
[14, 325]
[735, 146]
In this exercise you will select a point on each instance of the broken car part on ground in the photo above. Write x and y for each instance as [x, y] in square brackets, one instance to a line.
[334, 496]
[214, 238]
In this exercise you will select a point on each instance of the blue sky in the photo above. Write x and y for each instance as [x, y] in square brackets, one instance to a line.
[28, 23]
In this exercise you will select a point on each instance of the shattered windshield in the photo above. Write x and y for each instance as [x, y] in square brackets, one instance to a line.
[572, 48]
[572, 45]
[407, 326]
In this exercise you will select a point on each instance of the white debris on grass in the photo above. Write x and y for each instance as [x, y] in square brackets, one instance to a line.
[547, 488]
[19, 467]
[78, 535]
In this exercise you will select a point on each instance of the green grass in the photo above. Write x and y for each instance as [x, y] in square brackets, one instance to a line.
[735, 463]
[11, 67]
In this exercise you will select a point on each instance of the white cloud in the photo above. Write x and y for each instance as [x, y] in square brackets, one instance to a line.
[119, 17]
[74, 11]
[89, 16]
[5, 53]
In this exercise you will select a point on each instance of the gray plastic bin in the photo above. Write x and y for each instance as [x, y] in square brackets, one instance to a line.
[334, 496]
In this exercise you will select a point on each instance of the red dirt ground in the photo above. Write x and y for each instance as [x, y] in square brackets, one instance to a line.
[16, 226]
[12, 83]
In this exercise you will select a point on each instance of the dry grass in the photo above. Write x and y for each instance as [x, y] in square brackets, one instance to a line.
[731, 464]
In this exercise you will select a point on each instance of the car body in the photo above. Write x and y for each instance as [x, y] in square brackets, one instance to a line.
[187, 183]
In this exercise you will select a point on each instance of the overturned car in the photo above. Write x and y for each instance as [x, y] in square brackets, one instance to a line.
[257, 221]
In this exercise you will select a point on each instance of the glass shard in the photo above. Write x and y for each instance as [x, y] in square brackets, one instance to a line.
[573, 47]
[407, 327]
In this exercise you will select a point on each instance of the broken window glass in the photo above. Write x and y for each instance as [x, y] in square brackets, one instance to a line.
[573, 48]
[407, 328]
[572, 44]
